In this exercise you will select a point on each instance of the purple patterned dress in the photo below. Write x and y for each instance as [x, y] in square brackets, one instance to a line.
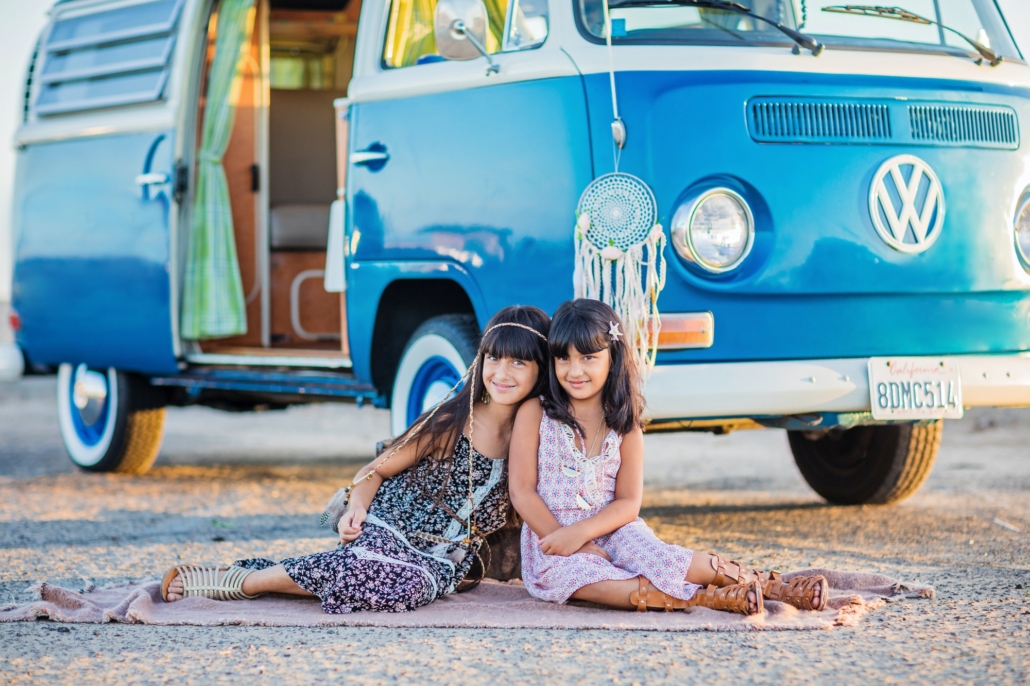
[565, 477]
[391, 566]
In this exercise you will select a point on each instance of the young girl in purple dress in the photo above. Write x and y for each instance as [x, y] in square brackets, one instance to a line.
[576, 478]
[414, 520]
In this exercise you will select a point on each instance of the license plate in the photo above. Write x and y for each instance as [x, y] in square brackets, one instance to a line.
[915, 388]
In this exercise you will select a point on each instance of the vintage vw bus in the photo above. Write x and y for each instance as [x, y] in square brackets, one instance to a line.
[846, 192]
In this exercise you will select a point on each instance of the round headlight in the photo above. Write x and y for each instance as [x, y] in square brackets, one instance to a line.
[1022, 227]
[714, 230]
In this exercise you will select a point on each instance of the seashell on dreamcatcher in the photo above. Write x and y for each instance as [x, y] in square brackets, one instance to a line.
[620, 257]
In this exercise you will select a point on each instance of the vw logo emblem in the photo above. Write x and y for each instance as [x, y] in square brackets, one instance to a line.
[906, 204]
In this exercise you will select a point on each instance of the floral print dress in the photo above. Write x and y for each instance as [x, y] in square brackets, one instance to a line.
[410, 550]
[574, 488]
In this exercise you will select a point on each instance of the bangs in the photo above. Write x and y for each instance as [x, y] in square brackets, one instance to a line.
[577, 332]
[513, 343]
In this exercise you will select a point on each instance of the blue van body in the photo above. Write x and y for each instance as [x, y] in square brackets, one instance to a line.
[121, 252]
[813, 284]
[471, 202]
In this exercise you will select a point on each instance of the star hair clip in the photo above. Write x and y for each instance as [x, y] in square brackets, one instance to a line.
[613, 331]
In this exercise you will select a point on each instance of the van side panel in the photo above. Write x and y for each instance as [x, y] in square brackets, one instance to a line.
[91, 279]
[484, 178]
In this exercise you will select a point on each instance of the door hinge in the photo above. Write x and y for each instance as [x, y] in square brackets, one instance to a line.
[182, 181]
[255, 178]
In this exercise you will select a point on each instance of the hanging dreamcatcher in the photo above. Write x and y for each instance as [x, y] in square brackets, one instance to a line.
[619, 257]
[620, 245]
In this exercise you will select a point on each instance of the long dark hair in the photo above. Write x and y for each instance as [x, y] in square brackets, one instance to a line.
[584, 324]
[437, 438]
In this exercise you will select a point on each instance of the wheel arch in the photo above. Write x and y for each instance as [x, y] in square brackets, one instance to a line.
[404, 305]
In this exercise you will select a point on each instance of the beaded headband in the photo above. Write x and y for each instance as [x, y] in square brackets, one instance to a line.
[521, 326]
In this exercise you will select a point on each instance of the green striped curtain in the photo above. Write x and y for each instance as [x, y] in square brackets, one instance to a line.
[213, 304]
[496, 13]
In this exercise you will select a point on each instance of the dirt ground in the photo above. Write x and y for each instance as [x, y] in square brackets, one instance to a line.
[229, 486]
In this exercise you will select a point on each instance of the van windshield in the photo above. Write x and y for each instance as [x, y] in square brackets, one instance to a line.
[665, 23]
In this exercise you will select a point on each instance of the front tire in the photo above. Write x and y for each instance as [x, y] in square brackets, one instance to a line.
[867, 464]
[110, 421]
[437, 355]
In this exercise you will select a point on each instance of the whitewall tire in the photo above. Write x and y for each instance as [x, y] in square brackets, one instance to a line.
[110, 421]
[437, 355]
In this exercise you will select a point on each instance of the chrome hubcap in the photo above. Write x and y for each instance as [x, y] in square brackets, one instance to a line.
[89, 393]
[436, 392]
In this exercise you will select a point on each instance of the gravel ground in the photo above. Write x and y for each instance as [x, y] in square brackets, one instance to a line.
[229, 486]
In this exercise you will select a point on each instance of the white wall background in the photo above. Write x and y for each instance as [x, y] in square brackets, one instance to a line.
[22, 20]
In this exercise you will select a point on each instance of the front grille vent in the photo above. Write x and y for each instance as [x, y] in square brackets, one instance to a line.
[964, 125]
[818, 121]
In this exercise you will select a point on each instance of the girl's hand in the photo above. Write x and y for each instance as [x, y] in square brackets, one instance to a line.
[564, 541]
[350, 524]
[591, 548]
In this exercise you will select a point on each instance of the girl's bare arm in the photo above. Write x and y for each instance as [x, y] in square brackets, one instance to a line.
[629, 492]
[365, 489]
[522, 470]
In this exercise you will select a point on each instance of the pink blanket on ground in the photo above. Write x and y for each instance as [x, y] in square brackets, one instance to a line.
[493, 605]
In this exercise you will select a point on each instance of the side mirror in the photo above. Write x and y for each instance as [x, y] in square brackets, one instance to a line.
[460, 31]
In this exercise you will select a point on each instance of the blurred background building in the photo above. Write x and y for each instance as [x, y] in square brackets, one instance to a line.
[20, 24]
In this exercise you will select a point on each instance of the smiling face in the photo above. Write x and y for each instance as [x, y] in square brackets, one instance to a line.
[583, 375]
[508, 380]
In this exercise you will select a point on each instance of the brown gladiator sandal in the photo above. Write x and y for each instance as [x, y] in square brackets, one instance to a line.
[729, 599]
[797, 592]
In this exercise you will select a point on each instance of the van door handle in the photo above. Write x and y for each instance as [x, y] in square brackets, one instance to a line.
[152, 179]
[366, 157]
[147, 181]
[374, 157]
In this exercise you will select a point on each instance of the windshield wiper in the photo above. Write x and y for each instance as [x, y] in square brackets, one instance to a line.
[801, 39]
[904, 15]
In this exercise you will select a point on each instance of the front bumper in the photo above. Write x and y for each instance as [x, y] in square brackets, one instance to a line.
[805, 387]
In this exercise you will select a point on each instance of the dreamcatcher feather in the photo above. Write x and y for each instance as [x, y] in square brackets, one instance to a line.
[620, 257]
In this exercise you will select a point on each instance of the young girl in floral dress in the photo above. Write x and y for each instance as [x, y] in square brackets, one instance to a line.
[576, 466]
[415, 518]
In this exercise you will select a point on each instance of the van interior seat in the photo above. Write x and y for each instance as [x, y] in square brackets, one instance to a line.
[299, 227]
[302, 173]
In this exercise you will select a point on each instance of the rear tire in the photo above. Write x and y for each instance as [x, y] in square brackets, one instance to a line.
[867, 464]
[110, 421]
[436, 357]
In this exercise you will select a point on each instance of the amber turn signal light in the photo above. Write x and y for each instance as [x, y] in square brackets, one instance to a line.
[682, 330]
